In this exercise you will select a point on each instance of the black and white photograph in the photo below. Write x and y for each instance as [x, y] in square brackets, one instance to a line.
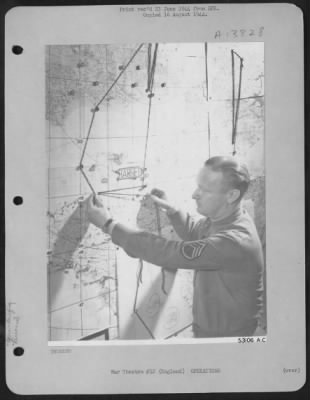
[154, 189]
[156, 195]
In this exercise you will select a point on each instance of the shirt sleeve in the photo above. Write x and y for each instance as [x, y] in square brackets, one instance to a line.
[185, 225]
[207, 254]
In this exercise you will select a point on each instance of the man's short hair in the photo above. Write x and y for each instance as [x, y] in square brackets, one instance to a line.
[235, 174]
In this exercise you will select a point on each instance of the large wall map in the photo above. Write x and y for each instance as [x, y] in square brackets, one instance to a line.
[121, 119]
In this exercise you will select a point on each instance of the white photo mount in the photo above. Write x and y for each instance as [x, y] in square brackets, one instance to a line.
[34, 360]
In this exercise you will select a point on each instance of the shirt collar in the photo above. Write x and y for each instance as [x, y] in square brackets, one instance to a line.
[227, 220]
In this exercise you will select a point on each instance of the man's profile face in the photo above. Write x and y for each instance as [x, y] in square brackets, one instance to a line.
[210, 194]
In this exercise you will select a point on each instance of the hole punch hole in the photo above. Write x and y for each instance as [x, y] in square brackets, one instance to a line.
[18, 351]
[18, 200]
[17, 50]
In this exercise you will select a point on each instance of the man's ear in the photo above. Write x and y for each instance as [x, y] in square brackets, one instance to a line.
[233, 195]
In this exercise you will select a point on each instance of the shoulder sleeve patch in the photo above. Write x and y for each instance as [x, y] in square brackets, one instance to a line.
[193, 250]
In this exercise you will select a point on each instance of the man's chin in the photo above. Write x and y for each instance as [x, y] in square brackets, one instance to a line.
[201, 211]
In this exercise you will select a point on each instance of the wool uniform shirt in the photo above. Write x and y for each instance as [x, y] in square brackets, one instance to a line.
[227, 259]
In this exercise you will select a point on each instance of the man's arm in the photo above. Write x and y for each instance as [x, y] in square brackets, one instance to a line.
[206, 254]
[184, 225]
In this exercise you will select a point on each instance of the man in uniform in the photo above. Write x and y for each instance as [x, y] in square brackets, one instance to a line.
[223, 248]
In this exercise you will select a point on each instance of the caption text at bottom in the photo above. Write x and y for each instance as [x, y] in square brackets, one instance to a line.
[164, 371]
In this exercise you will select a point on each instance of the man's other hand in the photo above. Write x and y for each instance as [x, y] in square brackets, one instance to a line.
[160, 199]
[97, 212]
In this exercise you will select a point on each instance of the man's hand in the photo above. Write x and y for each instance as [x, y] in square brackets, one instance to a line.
[97, 212]
[160, 199]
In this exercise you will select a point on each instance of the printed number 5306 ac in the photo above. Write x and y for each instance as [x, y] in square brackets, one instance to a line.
[245, 340]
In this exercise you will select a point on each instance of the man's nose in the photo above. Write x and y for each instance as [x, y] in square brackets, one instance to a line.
[195, 195]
